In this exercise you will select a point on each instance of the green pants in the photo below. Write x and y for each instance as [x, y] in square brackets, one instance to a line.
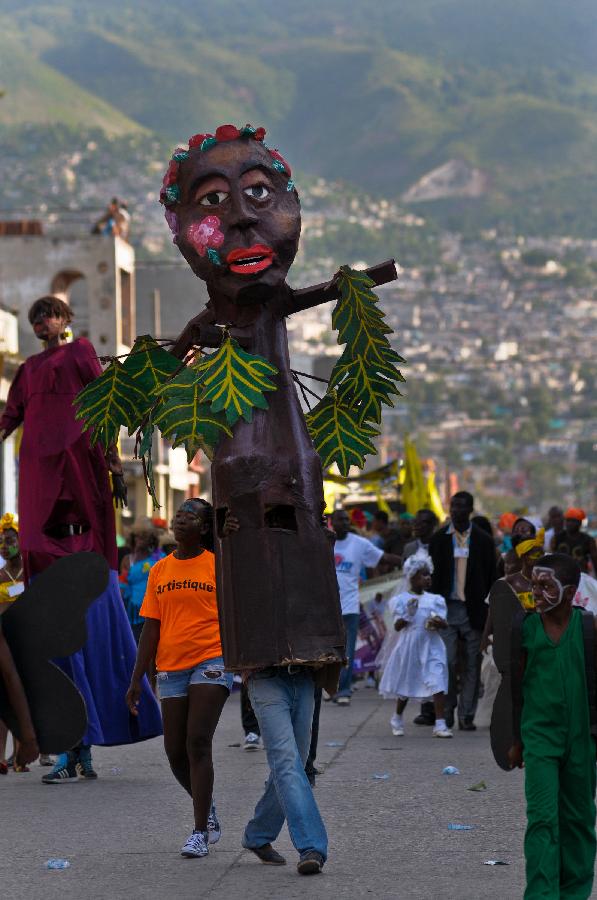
[559, 843]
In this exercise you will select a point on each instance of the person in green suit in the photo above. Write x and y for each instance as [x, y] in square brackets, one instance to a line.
[554, 742]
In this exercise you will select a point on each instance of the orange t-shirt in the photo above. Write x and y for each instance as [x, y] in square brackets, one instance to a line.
[181, 593]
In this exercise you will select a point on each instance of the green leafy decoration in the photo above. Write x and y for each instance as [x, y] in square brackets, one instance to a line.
[184, 418]
[364, 388]
[107, 403]
[143, 452]
[356, 315]
[338, 435]
[366, 373]
[363, 379]
[234, 381]
[150, 367]
[361, 323]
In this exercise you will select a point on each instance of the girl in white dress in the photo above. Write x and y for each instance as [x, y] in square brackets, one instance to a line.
[417, 666]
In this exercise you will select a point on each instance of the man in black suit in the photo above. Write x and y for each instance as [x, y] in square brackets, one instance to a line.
[464, 562]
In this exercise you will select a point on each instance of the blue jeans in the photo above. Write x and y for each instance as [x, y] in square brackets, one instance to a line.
[283, 704]
[351, 626]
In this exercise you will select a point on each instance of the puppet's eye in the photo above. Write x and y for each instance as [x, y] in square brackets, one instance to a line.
[257, 192]
[214, 198]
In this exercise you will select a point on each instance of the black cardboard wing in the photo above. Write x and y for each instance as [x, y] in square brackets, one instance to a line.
[506, 616]
[46, 621]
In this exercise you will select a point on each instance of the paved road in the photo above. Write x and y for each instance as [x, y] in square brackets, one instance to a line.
[388, 838]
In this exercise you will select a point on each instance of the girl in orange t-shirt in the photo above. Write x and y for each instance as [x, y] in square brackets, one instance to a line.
[182, 632]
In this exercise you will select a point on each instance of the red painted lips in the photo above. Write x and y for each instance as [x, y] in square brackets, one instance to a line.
[247, 261]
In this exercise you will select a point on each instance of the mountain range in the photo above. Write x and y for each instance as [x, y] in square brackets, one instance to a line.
[378, 93]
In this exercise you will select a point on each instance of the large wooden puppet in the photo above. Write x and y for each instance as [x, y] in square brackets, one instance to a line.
[235, 215]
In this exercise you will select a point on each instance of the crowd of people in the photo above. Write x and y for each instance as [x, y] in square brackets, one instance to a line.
[154, 633]
[531, 587]
[447, 576]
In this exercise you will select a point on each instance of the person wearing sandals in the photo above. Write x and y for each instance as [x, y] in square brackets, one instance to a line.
[181, 630]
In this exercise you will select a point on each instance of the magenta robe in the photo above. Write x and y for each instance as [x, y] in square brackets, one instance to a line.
[62, 479]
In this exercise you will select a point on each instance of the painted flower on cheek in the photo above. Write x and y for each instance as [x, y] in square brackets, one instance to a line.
[205, 234]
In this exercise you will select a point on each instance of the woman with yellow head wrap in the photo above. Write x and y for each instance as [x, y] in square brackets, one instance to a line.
[528, 550]
[11, 572]
[527, 546]
[9, 523]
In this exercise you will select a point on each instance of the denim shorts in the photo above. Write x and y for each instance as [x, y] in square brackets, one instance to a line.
[210, 671]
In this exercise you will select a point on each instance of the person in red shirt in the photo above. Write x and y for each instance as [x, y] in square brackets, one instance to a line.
[182, 632]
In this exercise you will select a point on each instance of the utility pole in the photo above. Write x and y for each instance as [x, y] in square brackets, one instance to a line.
[157, 314]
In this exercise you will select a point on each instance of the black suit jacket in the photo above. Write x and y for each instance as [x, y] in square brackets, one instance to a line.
[480, 571]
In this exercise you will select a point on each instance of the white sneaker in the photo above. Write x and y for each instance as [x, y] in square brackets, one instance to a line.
[252, 741]
[442, 732]
[370, 681]
[342, 701]
[196, 845]
[397, 726]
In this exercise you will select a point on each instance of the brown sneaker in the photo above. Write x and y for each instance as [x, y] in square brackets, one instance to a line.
[310, 863]
[267, 855]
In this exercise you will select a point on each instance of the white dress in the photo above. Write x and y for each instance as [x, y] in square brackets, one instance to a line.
[417, 666]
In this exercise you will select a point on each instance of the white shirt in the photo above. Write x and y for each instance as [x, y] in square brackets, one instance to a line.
[549, 534]
[586, 595]
[350, 555]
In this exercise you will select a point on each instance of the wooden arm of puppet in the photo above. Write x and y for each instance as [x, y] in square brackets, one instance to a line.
[199, 332]
[306, 298]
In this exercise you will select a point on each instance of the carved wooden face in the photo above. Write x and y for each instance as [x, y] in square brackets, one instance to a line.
[238, 224]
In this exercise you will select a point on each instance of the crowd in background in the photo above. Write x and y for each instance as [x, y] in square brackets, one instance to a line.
[467, 555]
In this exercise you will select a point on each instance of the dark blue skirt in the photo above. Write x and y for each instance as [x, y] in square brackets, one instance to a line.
[102, 670]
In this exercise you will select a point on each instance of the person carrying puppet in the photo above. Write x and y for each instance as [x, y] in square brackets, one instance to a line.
[235, 214]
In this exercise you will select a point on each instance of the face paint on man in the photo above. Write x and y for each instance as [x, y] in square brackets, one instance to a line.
[548, 591]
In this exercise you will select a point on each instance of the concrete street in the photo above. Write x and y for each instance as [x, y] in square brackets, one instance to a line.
[388, 838]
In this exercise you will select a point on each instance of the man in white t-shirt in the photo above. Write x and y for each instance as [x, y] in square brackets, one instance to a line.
[352, 553]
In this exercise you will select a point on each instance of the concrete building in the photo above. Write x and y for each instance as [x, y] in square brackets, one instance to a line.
[9, 363]
[168, 296]
[94, 273]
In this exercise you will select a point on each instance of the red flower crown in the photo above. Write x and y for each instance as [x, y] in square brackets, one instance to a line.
[170, 192]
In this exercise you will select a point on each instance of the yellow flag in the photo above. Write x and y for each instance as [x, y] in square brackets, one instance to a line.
[331, 491]
[433, 500]
[414, 489]
[383, 504]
